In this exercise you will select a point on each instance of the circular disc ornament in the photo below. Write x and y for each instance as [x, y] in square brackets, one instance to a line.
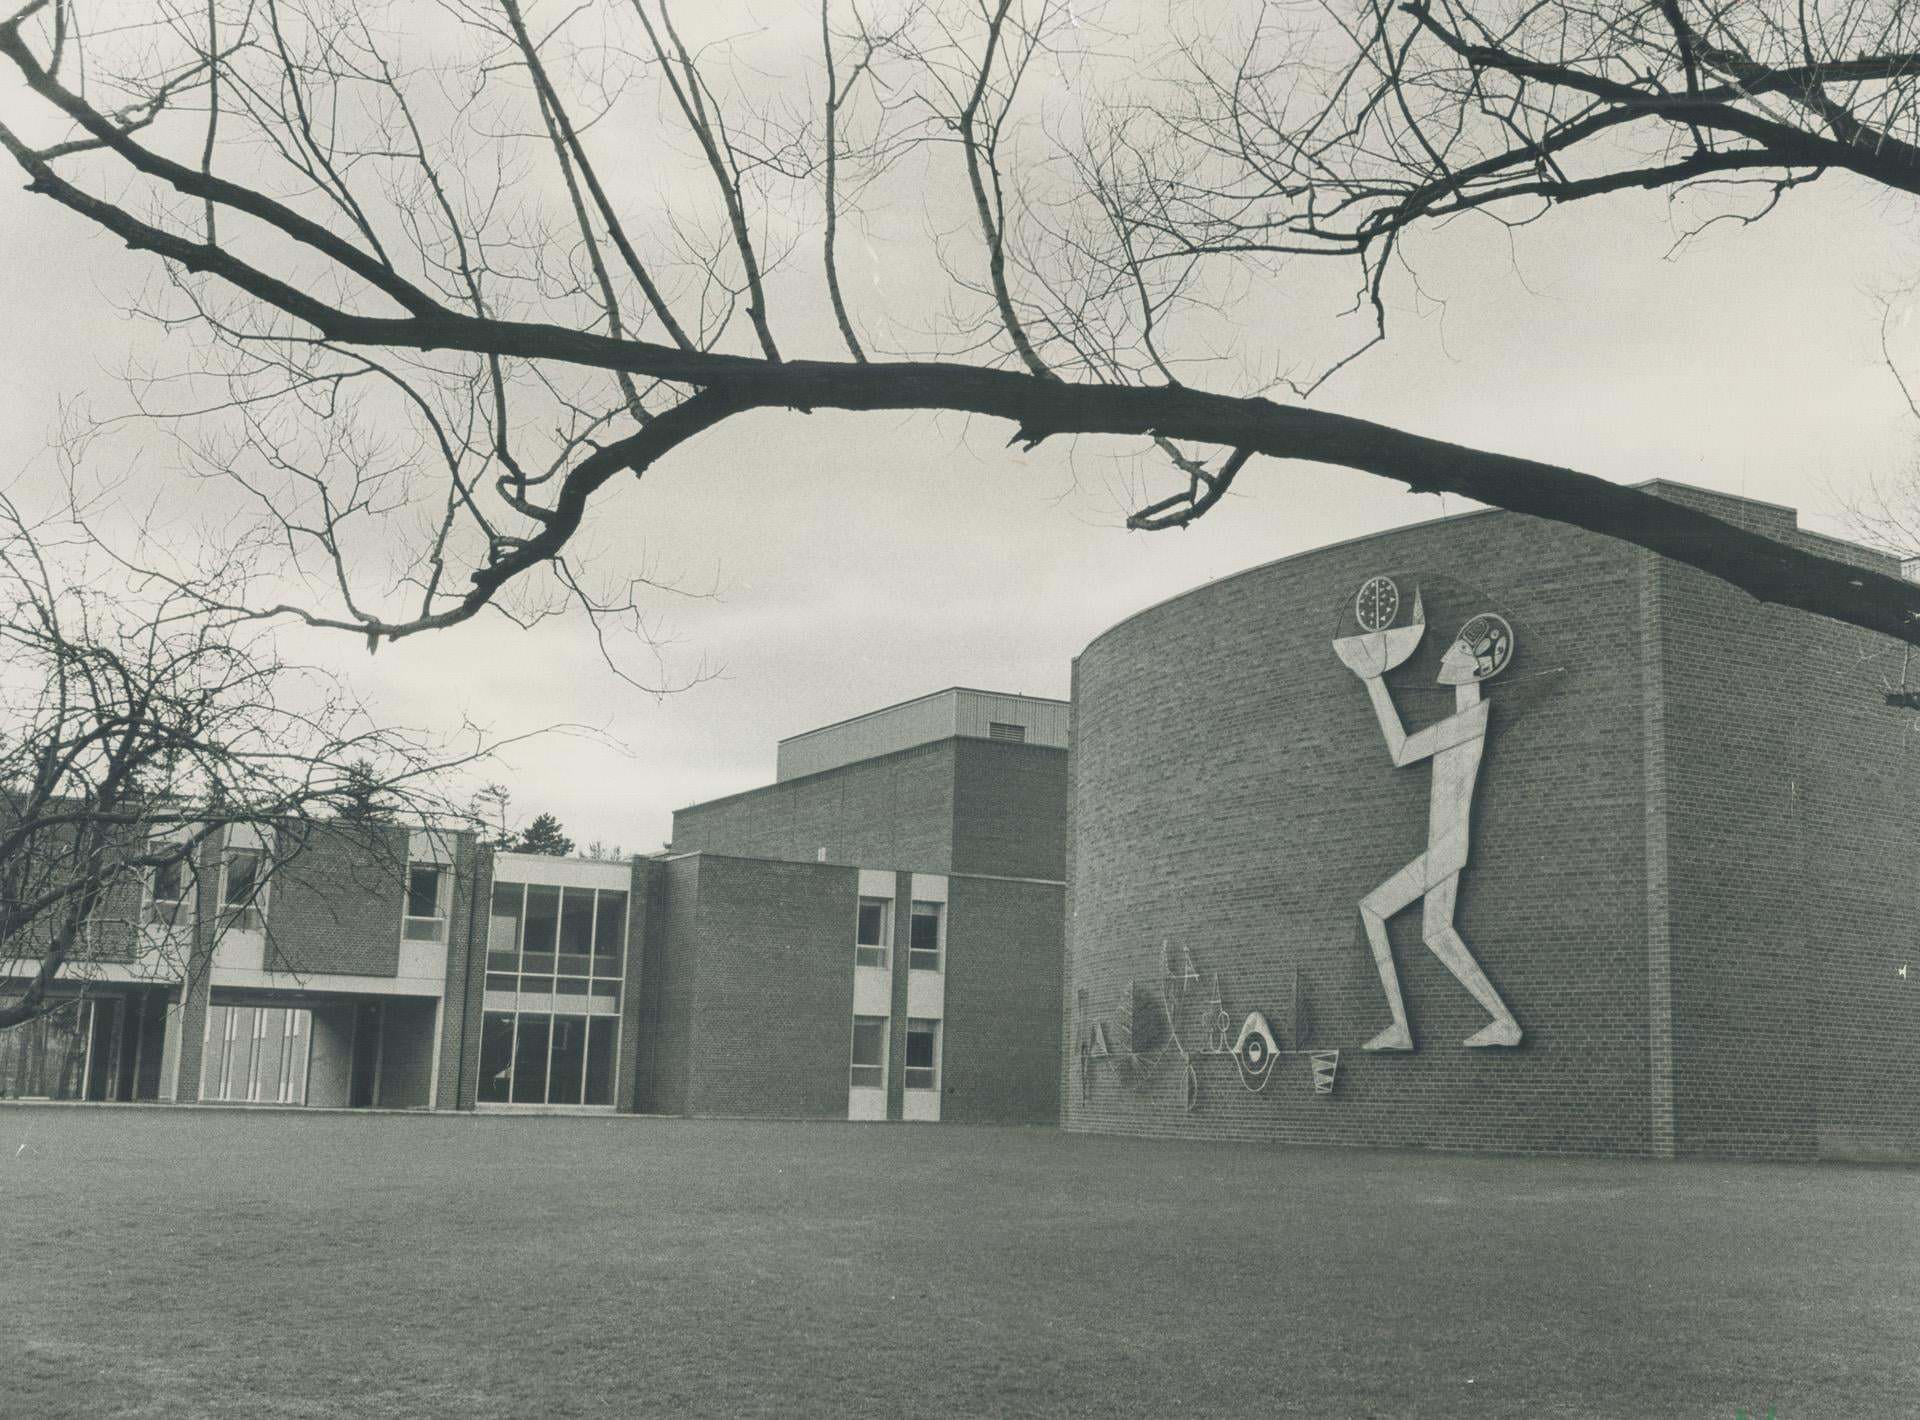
[1490, 639]
[1377, 604]
[1256, 1048]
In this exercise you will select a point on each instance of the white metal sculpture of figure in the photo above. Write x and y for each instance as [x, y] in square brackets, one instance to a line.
[1481, 651]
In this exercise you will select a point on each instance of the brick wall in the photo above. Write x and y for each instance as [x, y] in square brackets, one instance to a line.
[466, 974]
[406, 1052]
[1002, 1036]
[1233, 796]
[895, 809]
[1009, 809]
[1793, 826]
[335, 901]
[633, 1042]
[669, 979]
[1692, 872]
[771, 1016]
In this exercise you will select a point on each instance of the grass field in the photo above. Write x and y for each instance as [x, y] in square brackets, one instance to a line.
[195, 1262]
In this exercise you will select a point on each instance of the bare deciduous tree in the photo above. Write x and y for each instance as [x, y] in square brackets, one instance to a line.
[536, 248]
[135, 731]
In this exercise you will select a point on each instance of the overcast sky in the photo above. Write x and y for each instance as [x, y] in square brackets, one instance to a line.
[855, 561]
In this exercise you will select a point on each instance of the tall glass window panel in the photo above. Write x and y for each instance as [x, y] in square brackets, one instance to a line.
[569, 1059]
[496, 1057]
[869, 1052]
[923, 1054]
[923, 951]
[530, 1060]
[46, 1058]
[542, 927]
[610, 934]
[576, 930]
[503, 928]
[602, 1032]
[873, 932]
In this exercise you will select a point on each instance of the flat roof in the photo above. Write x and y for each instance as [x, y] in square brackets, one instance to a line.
[916, 699]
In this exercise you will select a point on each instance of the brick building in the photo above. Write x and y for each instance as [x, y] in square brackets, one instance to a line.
[875, 935]
[1485, 833]
[936, 829]
[1683, 920]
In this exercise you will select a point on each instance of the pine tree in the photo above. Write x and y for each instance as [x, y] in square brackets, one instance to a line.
[544, 835]
[362, 799]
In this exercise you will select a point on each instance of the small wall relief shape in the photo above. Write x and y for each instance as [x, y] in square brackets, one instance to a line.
[1483, 648]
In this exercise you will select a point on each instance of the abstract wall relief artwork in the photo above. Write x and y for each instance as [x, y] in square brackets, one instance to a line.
[1482, 649]
[1161, 1022]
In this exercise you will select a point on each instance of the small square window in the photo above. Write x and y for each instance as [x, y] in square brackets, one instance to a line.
[243, 893]
[923, 947]
[168, 878]
[869, 1053]
[426, 918]
[923, 1055]
[423, 891]
[873, 934]
[168, 892]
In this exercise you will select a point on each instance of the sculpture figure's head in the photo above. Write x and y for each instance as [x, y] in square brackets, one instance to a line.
[1480, 652]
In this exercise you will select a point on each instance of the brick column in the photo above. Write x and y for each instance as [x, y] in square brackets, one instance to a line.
[1653, 730]
[196, 986]
[897, 1032]
[467, 923]
[626, 1068]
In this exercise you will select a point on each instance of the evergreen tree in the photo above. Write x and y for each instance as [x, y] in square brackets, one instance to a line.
[362, 797]
[544, 835]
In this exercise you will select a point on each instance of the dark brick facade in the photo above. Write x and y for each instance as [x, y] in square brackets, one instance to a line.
[753, 931]
[670, 975]
[749, 992]
[1009, 810]
[895, 809]
[1687, 876]
[335, 901]
[1002, 1002]
[769, 1016]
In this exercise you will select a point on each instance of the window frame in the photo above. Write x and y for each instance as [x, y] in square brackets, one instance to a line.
[938, 951]
[874, 954]
[854, 1065]
[604, 968]
[434, 928]
[251, 914]
[922, 1077]
[165, 911]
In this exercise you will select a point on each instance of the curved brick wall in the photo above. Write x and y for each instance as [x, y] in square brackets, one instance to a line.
[1232, 795]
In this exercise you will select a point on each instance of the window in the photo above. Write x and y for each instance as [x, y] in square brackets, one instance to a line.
[426, 919]
[169, 891]
[869, 1053]
[576, 930]
[875, 932]
[244, 894]
[609, 933]
[1012, 734]
[923, 1055]
[923, 949]
[559, 956]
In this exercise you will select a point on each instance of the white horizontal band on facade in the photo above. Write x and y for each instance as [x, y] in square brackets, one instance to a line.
[544, 871]
[556, 1005]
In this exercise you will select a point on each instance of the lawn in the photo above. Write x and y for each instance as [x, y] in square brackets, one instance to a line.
[198, 1262]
